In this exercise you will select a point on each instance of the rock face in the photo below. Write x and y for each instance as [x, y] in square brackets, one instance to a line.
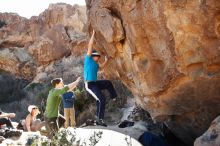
[11, 18]
[17, 61]
[167, 52]
[212, 136]
[26, 44]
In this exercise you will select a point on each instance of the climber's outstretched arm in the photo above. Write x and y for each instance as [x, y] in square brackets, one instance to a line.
[74, 84]
[91, 41]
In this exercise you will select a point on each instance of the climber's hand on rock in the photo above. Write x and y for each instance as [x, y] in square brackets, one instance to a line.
[93, 32]
[106, 58]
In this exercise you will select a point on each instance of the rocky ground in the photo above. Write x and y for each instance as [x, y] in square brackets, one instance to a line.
[128, 112]
[212, 136]
[165, 52]
[141, 120]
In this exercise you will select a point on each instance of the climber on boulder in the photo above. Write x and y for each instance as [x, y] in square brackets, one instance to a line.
[94, 86]
[52, 117]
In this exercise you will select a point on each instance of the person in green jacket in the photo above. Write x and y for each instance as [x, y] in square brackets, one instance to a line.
[52, 117]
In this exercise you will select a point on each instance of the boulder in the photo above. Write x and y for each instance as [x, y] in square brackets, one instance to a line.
[10, 133]
[167, 53]
[45, 38]
[50, 47]
[17, 61]
[1, 139]
[11, 18]
[212, 136]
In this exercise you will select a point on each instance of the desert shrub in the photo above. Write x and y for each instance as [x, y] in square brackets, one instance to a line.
[38, 140]
[42, 95]
[2, 23]
[65, 137]
[11, 88]
[82, 99]
[32, 86]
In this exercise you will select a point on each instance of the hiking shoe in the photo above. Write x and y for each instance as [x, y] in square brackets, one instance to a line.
[90, 122]
[101, 123]
[125, 124]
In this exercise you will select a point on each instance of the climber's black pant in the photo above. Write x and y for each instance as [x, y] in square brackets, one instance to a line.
[94, 88]
[6, 121]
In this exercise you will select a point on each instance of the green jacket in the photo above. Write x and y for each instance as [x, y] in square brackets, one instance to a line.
[53, 102]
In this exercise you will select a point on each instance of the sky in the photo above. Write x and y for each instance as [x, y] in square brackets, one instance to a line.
[28, 8]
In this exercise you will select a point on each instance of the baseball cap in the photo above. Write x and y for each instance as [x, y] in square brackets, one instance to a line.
[95, 53]
[31, 107]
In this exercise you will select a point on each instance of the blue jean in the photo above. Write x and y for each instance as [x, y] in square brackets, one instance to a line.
[94, 88]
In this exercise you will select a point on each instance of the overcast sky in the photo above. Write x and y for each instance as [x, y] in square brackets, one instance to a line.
[28, 8]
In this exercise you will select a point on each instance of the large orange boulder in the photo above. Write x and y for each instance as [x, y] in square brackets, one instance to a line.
[167, 52]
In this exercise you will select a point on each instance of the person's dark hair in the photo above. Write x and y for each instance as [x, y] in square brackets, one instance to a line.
[56, 81]
[94, 51]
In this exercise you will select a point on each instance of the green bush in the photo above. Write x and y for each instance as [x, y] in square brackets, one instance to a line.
[41, 96]
[64, 138]
[32, 86]
[44, 93]
[82, 100]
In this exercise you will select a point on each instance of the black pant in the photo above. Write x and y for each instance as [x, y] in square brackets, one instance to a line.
[53, 125]
[6, 121]
[95, 88]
